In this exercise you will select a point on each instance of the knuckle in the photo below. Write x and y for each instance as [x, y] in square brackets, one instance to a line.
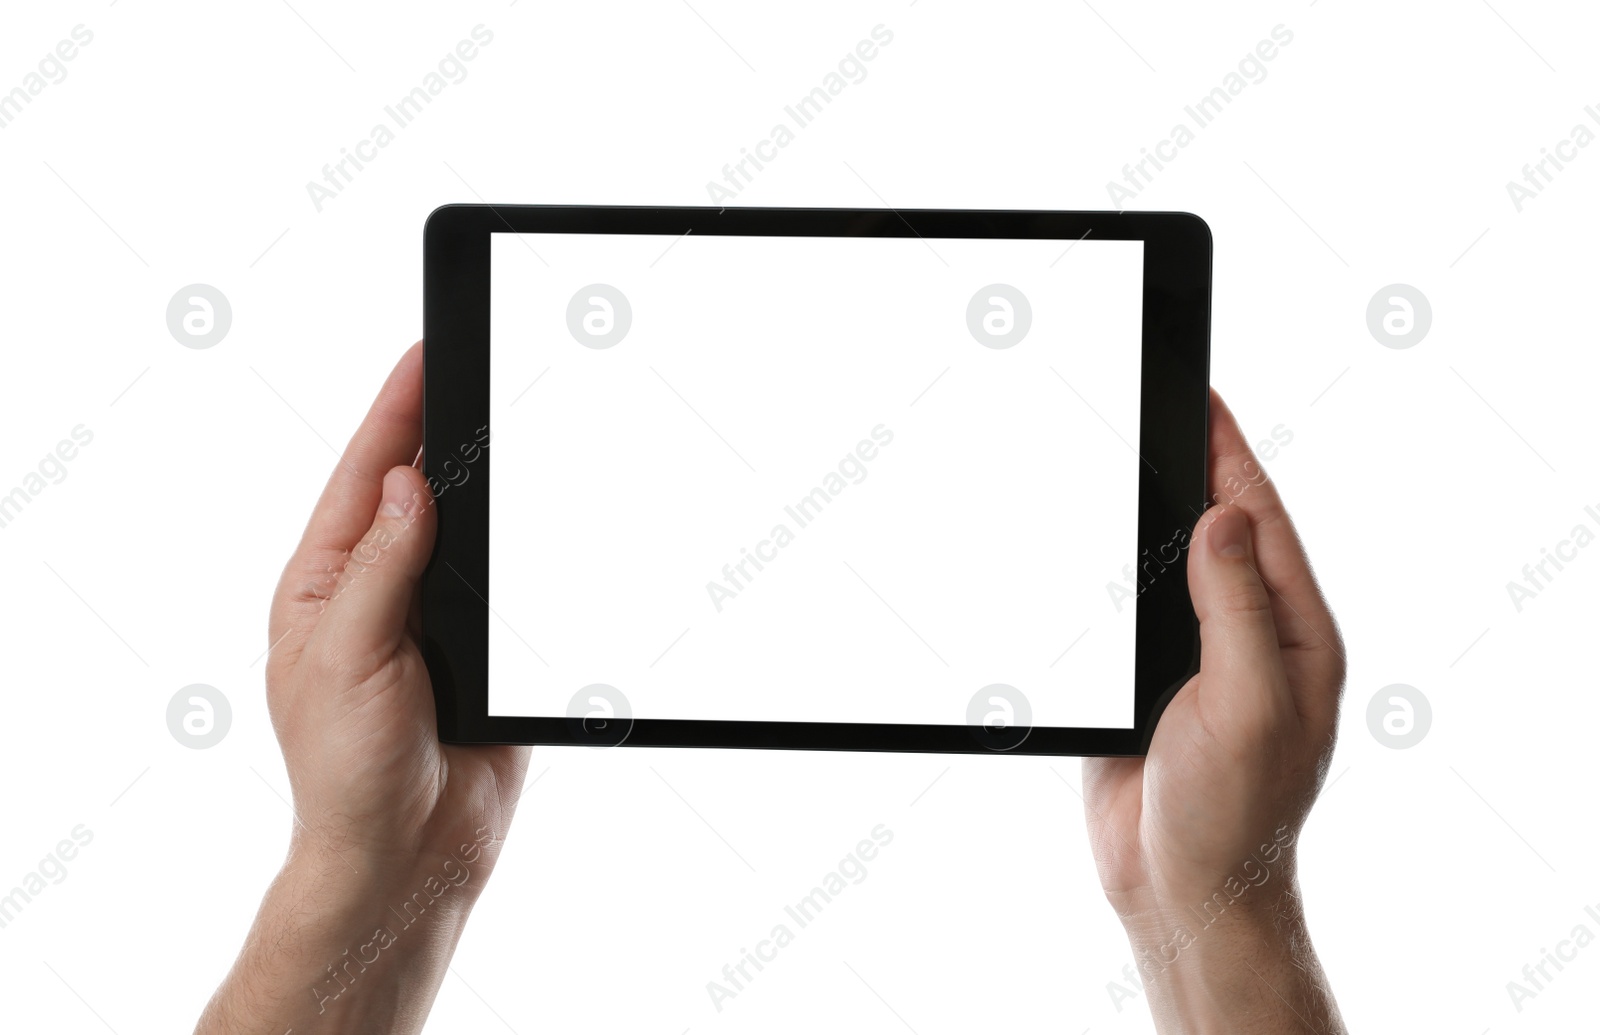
[334, 664]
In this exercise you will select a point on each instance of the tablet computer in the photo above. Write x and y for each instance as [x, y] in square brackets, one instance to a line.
[914, 480]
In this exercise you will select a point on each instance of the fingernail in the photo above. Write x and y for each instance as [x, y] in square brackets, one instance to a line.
[396, 495]
[1229, 533]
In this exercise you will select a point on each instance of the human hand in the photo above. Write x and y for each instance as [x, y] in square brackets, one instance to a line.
[385, 815]
[1195, 841]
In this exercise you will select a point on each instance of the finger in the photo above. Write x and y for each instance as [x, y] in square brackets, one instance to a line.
[1304, 621]
[366, 619]
[390, 435]
[1241, 666]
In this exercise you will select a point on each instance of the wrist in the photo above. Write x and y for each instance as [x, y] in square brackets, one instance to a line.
[1251, 896]
[1240, 963]
[1172, 930]
[438, 866]
[380, 912]
[351, 940]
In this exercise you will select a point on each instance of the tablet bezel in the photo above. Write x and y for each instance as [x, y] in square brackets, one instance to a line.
[1173, 422]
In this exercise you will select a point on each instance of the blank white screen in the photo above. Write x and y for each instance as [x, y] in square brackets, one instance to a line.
[974, 547]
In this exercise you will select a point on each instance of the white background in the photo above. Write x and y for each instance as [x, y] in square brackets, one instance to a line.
[1376, 151]
[961, 555]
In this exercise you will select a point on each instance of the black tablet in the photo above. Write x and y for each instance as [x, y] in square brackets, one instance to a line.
[863, 479]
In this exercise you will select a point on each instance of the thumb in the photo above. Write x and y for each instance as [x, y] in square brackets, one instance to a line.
[1241, 667]
[367, 616]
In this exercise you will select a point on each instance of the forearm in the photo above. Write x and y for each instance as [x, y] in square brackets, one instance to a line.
[1246, 970]
[343, 944]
